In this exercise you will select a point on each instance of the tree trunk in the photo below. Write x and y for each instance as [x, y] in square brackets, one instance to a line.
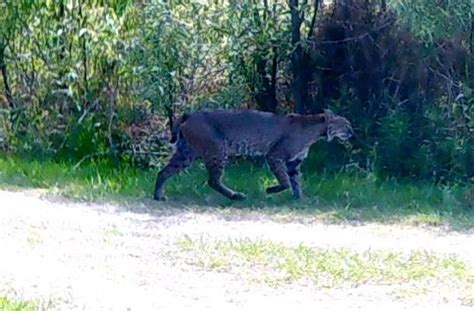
[60, 20]
[266, 92]
[113, 87]
[471, 39]
[6, 85]
[273, 80]
[111, 114]
[301, 67]
[84, 54]
[62, 42]
[296, 57]
[471, 54]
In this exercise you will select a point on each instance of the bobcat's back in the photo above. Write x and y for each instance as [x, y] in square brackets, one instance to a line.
[241, 132]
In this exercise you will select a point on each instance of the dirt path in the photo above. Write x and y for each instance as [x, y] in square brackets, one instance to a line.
[106, 257]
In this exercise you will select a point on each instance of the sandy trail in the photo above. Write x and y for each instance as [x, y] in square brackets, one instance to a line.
[78, 256]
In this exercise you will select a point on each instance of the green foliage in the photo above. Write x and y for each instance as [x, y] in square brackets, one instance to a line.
[396, 143]
[81, 80]
[7, 304]
[13, 15]
[434, 20]
[258, 32]
[180, 52]
[435, 145]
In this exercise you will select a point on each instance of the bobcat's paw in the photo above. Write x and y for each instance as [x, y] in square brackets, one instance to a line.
[238, 196]
[297, 196]
[161, 198]
[275, 189]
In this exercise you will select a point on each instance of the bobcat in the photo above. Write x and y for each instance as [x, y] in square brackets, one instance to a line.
[213, 136]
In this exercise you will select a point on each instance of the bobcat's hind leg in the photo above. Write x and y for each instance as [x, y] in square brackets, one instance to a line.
[181, 159]
[215, 168]
[278, 168]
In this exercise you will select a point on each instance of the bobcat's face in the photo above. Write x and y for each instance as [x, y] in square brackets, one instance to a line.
[338, 127]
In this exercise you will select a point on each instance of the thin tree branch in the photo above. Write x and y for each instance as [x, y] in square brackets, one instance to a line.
[265, 12]
[274, 68]
[313, 20]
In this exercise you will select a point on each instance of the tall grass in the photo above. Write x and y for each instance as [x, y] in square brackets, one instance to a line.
[348, 195]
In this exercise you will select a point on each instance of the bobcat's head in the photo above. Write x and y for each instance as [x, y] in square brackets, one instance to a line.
[338, 126]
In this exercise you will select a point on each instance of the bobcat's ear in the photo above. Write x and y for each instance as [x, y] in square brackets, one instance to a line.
[310, 119]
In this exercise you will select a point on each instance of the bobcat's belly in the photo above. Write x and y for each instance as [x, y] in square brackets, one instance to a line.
[301, 155]
[246, 148]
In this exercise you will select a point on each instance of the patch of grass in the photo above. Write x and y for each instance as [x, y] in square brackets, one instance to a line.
[7, 304]
[352, 196]
[93, 181]
[277, 264]
[409, 292]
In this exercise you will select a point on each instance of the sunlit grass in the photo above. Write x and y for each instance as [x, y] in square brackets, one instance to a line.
[336, 197]
[7, 304]
[408, 275]
[278, 264]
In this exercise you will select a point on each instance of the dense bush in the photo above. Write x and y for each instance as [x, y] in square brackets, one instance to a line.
[95, 78]
[411, 100]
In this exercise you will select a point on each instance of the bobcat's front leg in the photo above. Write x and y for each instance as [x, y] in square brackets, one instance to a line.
[293, 170]
[215, 168]
[278, 168]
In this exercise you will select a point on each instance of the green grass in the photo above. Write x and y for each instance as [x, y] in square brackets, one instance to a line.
[340, 197]
[277, 264]
[7, 304]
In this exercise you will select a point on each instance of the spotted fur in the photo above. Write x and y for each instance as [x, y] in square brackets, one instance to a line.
[214, 136]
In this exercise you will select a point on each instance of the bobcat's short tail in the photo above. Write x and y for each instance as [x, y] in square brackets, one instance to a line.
[175, 126]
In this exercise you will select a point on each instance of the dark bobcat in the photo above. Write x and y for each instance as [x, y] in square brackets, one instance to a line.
[213, 136]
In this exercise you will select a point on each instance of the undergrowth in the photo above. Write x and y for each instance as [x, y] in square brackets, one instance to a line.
[349, 195]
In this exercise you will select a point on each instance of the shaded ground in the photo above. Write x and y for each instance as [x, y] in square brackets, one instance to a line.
[87, 256]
